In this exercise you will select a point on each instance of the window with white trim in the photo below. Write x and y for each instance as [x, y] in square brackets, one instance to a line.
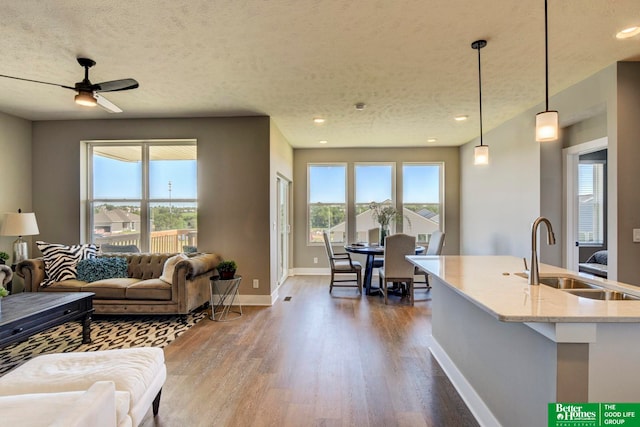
[374, 183]
[327, 202]
[143, 193]
[422, 188]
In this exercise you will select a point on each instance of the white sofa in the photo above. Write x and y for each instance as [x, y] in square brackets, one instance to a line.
[138, 375]
[95, 407]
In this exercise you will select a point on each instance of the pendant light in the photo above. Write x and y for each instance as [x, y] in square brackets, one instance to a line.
[546, 121]
[481, 152]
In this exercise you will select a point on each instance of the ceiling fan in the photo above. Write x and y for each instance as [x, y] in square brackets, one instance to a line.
[88, 94]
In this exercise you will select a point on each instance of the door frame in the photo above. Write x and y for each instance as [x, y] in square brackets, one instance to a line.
[282, 252]
[570, 158]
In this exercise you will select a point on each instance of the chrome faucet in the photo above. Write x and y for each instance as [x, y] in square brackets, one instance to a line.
[534, 275]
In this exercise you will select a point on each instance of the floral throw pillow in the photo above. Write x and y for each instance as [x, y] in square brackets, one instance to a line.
[60, 261]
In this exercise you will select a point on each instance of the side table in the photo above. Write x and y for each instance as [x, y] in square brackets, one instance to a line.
[225, 292]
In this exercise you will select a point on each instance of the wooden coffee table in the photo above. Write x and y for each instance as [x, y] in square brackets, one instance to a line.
[28, 313]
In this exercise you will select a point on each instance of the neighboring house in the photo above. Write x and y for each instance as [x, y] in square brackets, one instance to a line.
[422, 224]
[115, 221]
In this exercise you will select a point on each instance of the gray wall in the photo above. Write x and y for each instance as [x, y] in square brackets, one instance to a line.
[15, 186]
[233, 182]
[628, 173]
[304, 253]
[501, 200]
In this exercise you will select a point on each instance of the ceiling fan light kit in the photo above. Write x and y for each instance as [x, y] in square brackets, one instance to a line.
[86, 99]
[87, 93]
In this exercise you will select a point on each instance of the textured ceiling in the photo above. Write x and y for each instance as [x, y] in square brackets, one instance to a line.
[410, 61]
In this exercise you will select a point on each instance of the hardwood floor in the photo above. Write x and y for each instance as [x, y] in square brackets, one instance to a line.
[316, 360]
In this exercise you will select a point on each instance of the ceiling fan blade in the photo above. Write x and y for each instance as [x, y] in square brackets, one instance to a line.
[37, 81]
[106, 104]
[115, 85]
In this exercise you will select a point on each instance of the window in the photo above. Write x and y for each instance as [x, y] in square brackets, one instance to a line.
[422, 199]
[143, 193]
[374, 183]
[327, 201]
[590, 203]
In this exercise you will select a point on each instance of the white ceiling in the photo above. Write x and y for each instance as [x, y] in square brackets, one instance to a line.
[410, 61]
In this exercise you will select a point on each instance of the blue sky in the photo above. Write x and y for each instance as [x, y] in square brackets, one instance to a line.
[421, 183]
[116, 179]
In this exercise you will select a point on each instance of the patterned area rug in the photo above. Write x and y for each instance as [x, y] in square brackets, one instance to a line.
[107, 332]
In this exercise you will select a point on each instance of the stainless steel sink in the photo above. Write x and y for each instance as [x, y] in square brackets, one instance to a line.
[602, 294]
[567, 283]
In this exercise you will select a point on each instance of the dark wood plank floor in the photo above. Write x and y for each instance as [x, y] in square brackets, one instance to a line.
[316, 360]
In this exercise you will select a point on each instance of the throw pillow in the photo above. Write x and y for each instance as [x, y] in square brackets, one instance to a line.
[93, 269]
[60, 261]
[170, 266]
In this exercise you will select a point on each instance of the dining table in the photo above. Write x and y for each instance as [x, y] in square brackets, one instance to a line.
[371, 251]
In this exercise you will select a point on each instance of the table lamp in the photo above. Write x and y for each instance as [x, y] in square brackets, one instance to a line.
[19, 224]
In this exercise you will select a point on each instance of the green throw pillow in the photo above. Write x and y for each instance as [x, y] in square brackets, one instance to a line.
[90, 270]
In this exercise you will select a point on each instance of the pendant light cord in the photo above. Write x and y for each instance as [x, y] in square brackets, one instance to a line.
[546, 58]
[480, 93]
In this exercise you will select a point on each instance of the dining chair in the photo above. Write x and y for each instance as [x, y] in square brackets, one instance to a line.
[374, 239]
[341, 263]
[434, 248]
[396, 268]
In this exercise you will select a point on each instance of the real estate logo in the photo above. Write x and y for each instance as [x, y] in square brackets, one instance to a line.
[594, 414]
[571, 414]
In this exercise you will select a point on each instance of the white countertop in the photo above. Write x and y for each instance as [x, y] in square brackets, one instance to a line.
[490, 283]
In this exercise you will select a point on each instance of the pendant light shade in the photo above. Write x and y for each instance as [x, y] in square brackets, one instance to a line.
[547, 126]
[481, 155]
[546, 121]
[481, 152]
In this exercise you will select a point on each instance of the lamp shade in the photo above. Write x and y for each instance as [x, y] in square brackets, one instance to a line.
[547, 126]
[481, 155]
[19, 224]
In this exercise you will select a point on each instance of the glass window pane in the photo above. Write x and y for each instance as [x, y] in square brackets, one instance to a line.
[590, 203]
[421, 190]
[173, 226]
[327, 202]
[172, 172]
[117, 172]
[116, 223]
[374, 183]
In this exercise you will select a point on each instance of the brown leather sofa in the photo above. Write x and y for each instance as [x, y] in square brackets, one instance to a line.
[142, 292]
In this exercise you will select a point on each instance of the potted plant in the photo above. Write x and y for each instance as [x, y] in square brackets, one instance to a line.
[3, 257]
[384, 214]
[227, 269]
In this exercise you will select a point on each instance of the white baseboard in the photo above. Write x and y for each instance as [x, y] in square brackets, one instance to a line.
[476, 405]
[257, 300]
[311, 272]
[319, 272]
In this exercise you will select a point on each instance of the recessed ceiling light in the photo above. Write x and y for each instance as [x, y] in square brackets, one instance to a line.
[324, 141]
[432, 139]
[628, 32]
[318, 120]
[461, 118]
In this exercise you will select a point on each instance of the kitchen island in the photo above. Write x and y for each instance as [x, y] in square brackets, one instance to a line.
[511, 348]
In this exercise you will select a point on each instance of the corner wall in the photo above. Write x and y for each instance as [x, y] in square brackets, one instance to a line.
[281, 160]
[499, 202]
[15, 188]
